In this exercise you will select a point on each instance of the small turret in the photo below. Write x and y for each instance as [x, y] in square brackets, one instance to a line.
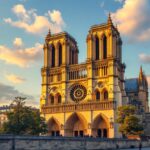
[142, 79]
[48, 35]
[141, 74]
[109, 20]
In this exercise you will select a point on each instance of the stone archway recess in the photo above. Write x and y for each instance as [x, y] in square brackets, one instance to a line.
[76, 125]
[100, 126]
[53, 127]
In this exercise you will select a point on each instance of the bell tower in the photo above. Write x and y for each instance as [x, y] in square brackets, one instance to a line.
[104, 56]
[143, 90]
[104, 41]
[60, 50]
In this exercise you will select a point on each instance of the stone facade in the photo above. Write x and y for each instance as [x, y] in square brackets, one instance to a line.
[81, 99]
[137, 92]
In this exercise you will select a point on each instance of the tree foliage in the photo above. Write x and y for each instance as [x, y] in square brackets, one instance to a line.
[129, 122]
[24, 120]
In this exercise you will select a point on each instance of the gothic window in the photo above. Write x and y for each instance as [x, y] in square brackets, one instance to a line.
[96, 72]
[70, 56]
[104, 47]
[52, 99]
[51, 78]
[59, 77]
[105, 95]
[60, 54]
[97, 47]
[73, 57]
[97, 95]
[59, 99]
[53, 56]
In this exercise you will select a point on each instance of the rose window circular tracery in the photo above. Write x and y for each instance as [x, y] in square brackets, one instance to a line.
[78, 93]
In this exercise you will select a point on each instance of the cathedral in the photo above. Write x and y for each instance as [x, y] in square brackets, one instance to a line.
[82, 99]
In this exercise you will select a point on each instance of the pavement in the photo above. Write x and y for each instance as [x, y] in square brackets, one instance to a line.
[148, 148]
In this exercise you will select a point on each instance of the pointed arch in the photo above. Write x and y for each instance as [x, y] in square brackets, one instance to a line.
[104, 39]
[105, 94]
[54, 127]
[51, 99]
[97, 45]
[76, 125]
[97, 95]
[53, 55]
[59, 54]
[100, 126]
[58, 98]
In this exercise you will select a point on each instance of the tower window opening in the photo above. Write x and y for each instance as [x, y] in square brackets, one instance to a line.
[51, 78]
[59, 77]
[97, 95]
[53, 56]
[73, 57]
[105, 95]
[59, 99]
[96, 72]
[104, 47]
[60, 55]
[52, 99]
[70, 56]
[97, 47]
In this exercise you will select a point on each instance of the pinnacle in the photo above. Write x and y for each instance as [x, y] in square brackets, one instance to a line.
[109, 21]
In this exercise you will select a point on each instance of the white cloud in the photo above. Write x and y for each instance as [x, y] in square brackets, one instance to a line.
[18, 42]
[133, 19]
[35, 24]
[21, 12]
[148, 80]
[56, 17]
[144, 58]
[15, 78]
[22, 57]
[102, 4]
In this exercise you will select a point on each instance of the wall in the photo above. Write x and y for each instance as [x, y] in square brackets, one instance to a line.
[61, 143]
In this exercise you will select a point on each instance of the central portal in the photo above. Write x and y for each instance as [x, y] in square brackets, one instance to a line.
[75, 126]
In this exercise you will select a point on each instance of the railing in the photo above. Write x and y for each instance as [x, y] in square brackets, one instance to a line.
[88, 106]
[77, 71]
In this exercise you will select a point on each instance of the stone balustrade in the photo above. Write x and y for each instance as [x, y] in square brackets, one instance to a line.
[107, 105]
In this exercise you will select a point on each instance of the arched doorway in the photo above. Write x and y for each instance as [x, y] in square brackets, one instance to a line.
[53, 127]
[100, 127]
[76, 125]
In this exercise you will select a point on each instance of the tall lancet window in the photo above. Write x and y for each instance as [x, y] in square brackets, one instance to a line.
[73, 56]
[60, 54]
[53, 56]
[104, 47]
[97, 47]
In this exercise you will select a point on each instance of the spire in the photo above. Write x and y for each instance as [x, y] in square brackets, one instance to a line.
[49, 32]
[141, 73]
[109, 20]
[48, 35]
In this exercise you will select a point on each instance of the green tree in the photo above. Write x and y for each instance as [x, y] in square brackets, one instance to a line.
[24, 120]
[129, 122]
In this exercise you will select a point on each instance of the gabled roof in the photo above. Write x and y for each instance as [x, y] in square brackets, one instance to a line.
[131, 85]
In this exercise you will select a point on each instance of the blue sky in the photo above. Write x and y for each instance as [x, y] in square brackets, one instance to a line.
[25, 23]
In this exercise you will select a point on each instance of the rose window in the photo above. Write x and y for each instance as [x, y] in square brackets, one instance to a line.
[78, 93]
